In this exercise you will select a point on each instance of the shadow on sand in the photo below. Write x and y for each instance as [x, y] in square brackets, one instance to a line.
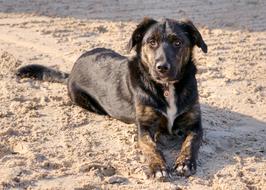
[229, 137]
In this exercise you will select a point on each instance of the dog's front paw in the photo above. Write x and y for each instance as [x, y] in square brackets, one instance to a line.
[185, 166]
[157, 171]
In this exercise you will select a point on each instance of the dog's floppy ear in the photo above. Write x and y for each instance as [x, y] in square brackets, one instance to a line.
[195, 35]
[139, 32]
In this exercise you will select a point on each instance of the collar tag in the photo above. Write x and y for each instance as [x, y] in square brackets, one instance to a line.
[166, 90]
[166, 93]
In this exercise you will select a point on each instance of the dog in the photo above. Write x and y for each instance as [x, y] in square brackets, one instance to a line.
[156, 89]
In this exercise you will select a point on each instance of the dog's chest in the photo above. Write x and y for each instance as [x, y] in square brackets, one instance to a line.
[171, 111]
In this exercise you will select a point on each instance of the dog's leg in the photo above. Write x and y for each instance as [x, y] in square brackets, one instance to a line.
[149, 121]
[185, 164]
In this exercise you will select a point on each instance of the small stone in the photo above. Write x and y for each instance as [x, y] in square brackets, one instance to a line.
[240, 174]
[249, 101]
[85, 168]
[258, 89]
[227, 80]
[101, 169]
[252, 169]
[117, 179]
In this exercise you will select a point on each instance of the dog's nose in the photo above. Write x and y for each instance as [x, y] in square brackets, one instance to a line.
[162, 68]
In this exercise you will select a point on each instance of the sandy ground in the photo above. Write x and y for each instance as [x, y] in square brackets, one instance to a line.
[48, 143]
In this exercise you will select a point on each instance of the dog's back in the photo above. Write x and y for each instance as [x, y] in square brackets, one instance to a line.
[99, 81]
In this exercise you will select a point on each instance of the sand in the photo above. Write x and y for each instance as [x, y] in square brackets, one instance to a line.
[46, 142]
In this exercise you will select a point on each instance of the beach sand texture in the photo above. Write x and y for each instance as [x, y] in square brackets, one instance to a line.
[46, 142]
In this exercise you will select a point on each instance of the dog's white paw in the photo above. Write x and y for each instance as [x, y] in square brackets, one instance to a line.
[185, 166]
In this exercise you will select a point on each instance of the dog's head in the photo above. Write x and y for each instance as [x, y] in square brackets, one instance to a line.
[165, 47]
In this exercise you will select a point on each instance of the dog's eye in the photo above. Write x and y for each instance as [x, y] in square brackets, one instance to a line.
[177, 43]
[152, 43]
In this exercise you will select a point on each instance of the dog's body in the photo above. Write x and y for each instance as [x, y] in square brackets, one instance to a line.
[100, 82]
[156, 89]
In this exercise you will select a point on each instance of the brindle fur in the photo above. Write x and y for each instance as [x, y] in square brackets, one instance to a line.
[131, 90]
[189, 120]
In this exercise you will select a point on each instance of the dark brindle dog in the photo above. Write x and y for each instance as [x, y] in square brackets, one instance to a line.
[156, 89]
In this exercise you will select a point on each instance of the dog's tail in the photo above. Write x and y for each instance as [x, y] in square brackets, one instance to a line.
[42, 73]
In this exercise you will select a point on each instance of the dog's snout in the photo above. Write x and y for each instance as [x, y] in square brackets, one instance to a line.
[162, 67]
